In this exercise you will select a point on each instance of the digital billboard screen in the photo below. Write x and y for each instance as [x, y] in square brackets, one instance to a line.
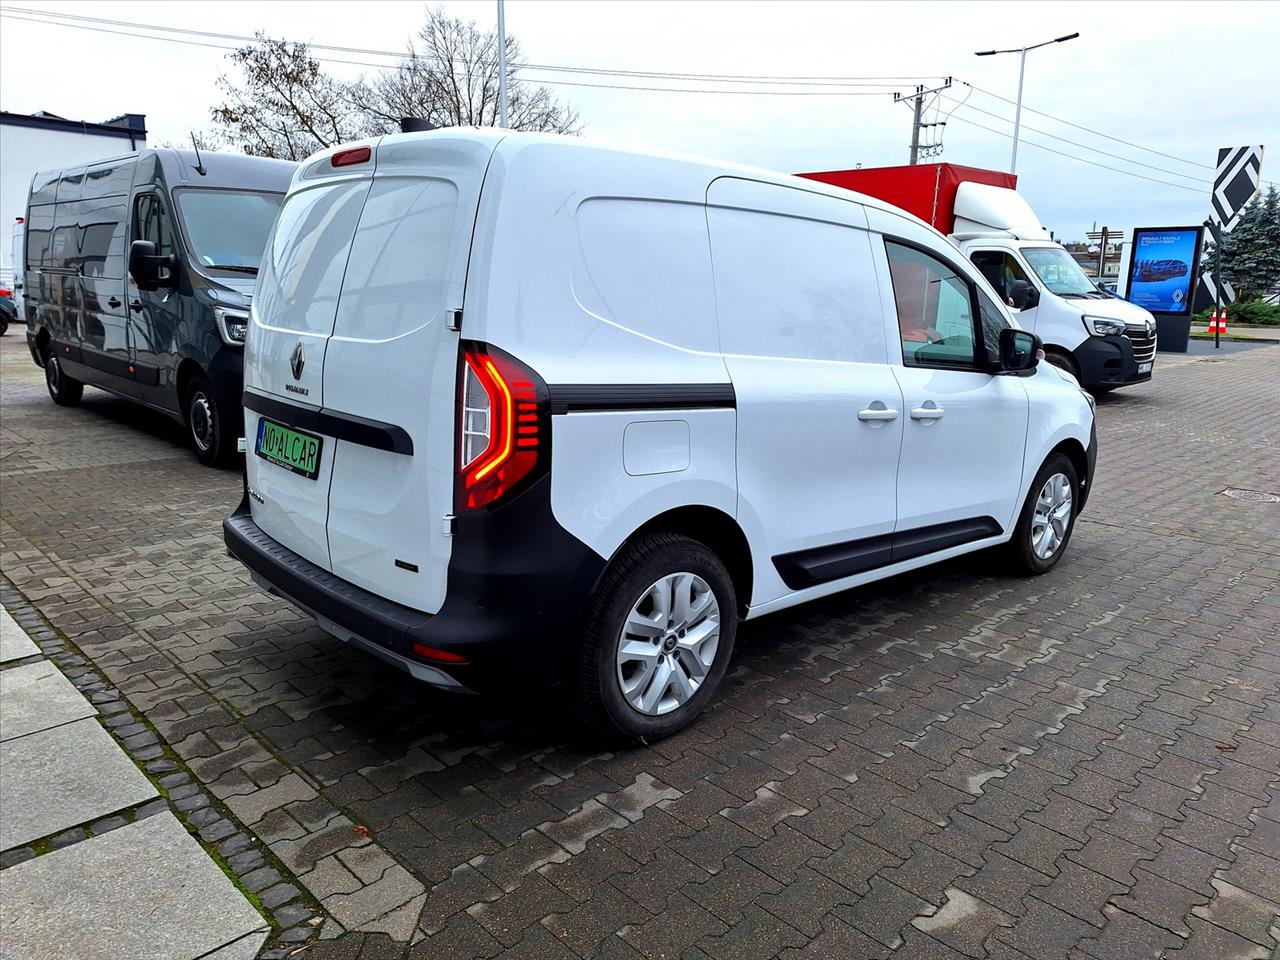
[1163, 268]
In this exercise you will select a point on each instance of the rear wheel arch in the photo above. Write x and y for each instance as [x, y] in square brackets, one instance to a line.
[716, 530]
[42, 340]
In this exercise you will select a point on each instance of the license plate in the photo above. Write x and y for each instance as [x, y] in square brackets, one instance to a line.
[1145, 367]
[289, 448]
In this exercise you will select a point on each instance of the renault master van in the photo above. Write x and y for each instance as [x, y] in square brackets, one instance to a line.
[1102, 340]
[137, 276]
[521, 408]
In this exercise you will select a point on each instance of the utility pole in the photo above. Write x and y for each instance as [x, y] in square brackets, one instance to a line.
[918, 110]
[502, 67]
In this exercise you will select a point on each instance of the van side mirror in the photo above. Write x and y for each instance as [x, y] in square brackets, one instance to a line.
[149, 270]
[1019, 351]
[1024, 295]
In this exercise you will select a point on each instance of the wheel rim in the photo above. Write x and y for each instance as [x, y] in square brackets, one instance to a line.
[1052, 518]
[201, 421]
[668, 643]
[53, 372]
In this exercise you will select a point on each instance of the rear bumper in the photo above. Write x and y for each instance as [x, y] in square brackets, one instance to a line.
[518, 584]
[1108, 362]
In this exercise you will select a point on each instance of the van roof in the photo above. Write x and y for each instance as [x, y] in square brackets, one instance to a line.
[179, 167]
[511, 144]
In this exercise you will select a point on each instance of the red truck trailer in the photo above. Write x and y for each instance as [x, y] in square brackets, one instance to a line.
[927, 190]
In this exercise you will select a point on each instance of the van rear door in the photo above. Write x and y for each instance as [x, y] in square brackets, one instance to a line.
[393, 361]
[292, 319]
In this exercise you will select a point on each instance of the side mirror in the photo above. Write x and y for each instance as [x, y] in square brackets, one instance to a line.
[149, 270]
[1024, 295]
[1019, 351]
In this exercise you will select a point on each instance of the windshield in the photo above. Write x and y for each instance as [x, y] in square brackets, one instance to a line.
[1058, 271]
[227, 229]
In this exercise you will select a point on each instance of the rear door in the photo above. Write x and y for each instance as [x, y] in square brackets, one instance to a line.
[291, 320]
[392, 362]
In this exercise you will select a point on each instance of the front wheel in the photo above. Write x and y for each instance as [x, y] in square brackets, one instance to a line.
[213, 432]
[1063, 361]
[1048, 516]
[657, 641]
[66, 391]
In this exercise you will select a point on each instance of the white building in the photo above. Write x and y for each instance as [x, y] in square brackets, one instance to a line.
[42, 141]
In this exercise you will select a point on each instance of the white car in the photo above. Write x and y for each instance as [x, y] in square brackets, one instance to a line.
[523, 408]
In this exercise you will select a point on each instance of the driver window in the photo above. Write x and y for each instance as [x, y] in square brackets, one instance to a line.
[935, 309]
[150, 222]
[1001, 270]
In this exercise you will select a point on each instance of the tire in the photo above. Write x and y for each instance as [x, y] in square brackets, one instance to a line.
[66, 391]
[1063, 361]
[4, 326]
[1026, 550]
[629, 592]
[212, 432]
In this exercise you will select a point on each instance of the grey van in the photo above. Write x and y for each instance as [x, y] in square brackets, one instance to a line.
[138, 276]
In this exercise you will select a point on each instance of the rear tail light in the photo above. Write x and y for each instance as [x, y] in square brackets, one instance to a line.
[504, 430]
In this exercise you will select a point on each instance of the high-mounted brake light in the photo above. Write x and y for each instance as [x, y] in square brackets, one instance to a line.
[346, 158]
[504, 427]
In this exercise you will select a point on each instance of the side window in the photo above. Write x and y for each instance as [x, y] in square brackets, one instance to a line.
[1001, 270]
[102, 238]
[64, 248]
[39, 234]
[151, 222]
[993, 321]
[935, 309]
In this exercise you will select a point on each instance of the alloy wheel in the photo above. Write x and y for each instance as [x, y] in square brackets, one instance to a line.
[668, 643]
[1052, 516]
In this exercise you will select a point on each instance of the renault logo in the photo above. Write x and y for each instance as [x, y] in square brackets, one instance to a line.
[297, 362]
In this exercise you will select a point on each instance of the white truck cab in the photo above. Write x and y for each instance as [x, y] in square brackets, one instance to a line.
[1103, 341]
[525, 408]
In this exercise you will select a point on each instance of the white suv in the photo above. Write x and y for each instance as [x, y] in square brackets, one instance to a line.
[524, 408]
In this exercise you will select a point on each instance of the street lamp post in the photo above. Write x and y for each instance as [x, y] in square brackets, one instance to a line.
[1022, 70]
[502, 66]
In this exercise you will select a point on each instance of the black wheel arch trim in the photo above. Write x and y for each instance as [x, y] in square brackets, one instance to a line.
[333, 423]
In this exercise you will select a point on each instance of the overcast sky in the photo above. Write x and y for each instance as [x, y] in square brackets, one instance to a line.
[1179, 78]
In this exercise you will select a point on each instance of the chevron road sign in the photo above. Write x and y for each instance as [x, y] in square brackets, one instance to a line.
[1235, 181]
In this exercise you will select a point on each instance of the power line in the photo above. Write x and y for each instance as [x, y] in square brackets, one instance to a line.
[1083, 146]
[1071, 156]
[6, 12]
[1096, 133]
[866, 81]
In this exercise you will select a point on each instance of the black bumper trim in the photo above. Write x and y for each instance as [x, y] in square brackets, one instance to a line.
[331, 423]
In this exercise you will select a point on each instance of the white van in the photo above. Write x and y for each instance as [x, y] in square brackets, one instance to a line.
[1104, 341]
[522, 408]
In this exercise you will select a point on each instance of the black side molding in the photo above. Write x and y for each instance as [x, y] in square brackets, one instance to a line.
[340, 426]
[808, 568]
[584, 397]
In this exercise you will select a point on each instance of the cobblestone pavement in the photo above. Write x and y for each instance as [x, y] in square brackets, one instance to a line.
[955, 763]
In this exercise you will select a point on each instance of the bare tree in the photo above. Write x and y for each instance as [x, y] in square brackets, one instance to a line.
[287, 106]
[453, 81]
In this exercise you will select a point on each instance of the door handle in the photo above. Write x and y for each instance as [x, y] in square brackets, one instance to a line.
[877, 413]
[930, 411]
[135, 305]
[113, 303]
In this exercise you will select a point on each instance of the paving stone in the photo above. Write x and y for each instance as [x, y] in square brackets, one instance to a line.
[36, 696]
[179, 904]
[67, 775]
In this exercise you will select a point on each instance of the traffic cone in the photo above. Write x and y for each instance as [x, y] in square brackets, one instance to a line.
[1213, 321]
[1222, 322]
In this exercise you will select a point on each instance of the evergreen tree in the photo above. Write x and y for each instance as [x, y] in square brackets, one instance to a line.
[1251, 252]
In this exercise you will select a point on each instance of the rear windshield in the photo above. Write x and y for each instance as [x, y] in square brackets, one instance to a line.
[227, 229]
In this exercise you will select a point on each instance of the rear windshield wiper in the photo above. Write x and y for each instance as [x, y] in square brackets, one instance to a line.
[239, 267]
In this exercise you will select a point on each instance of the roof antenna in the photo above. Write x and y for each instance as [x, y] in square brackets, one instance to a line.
[199, 163]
